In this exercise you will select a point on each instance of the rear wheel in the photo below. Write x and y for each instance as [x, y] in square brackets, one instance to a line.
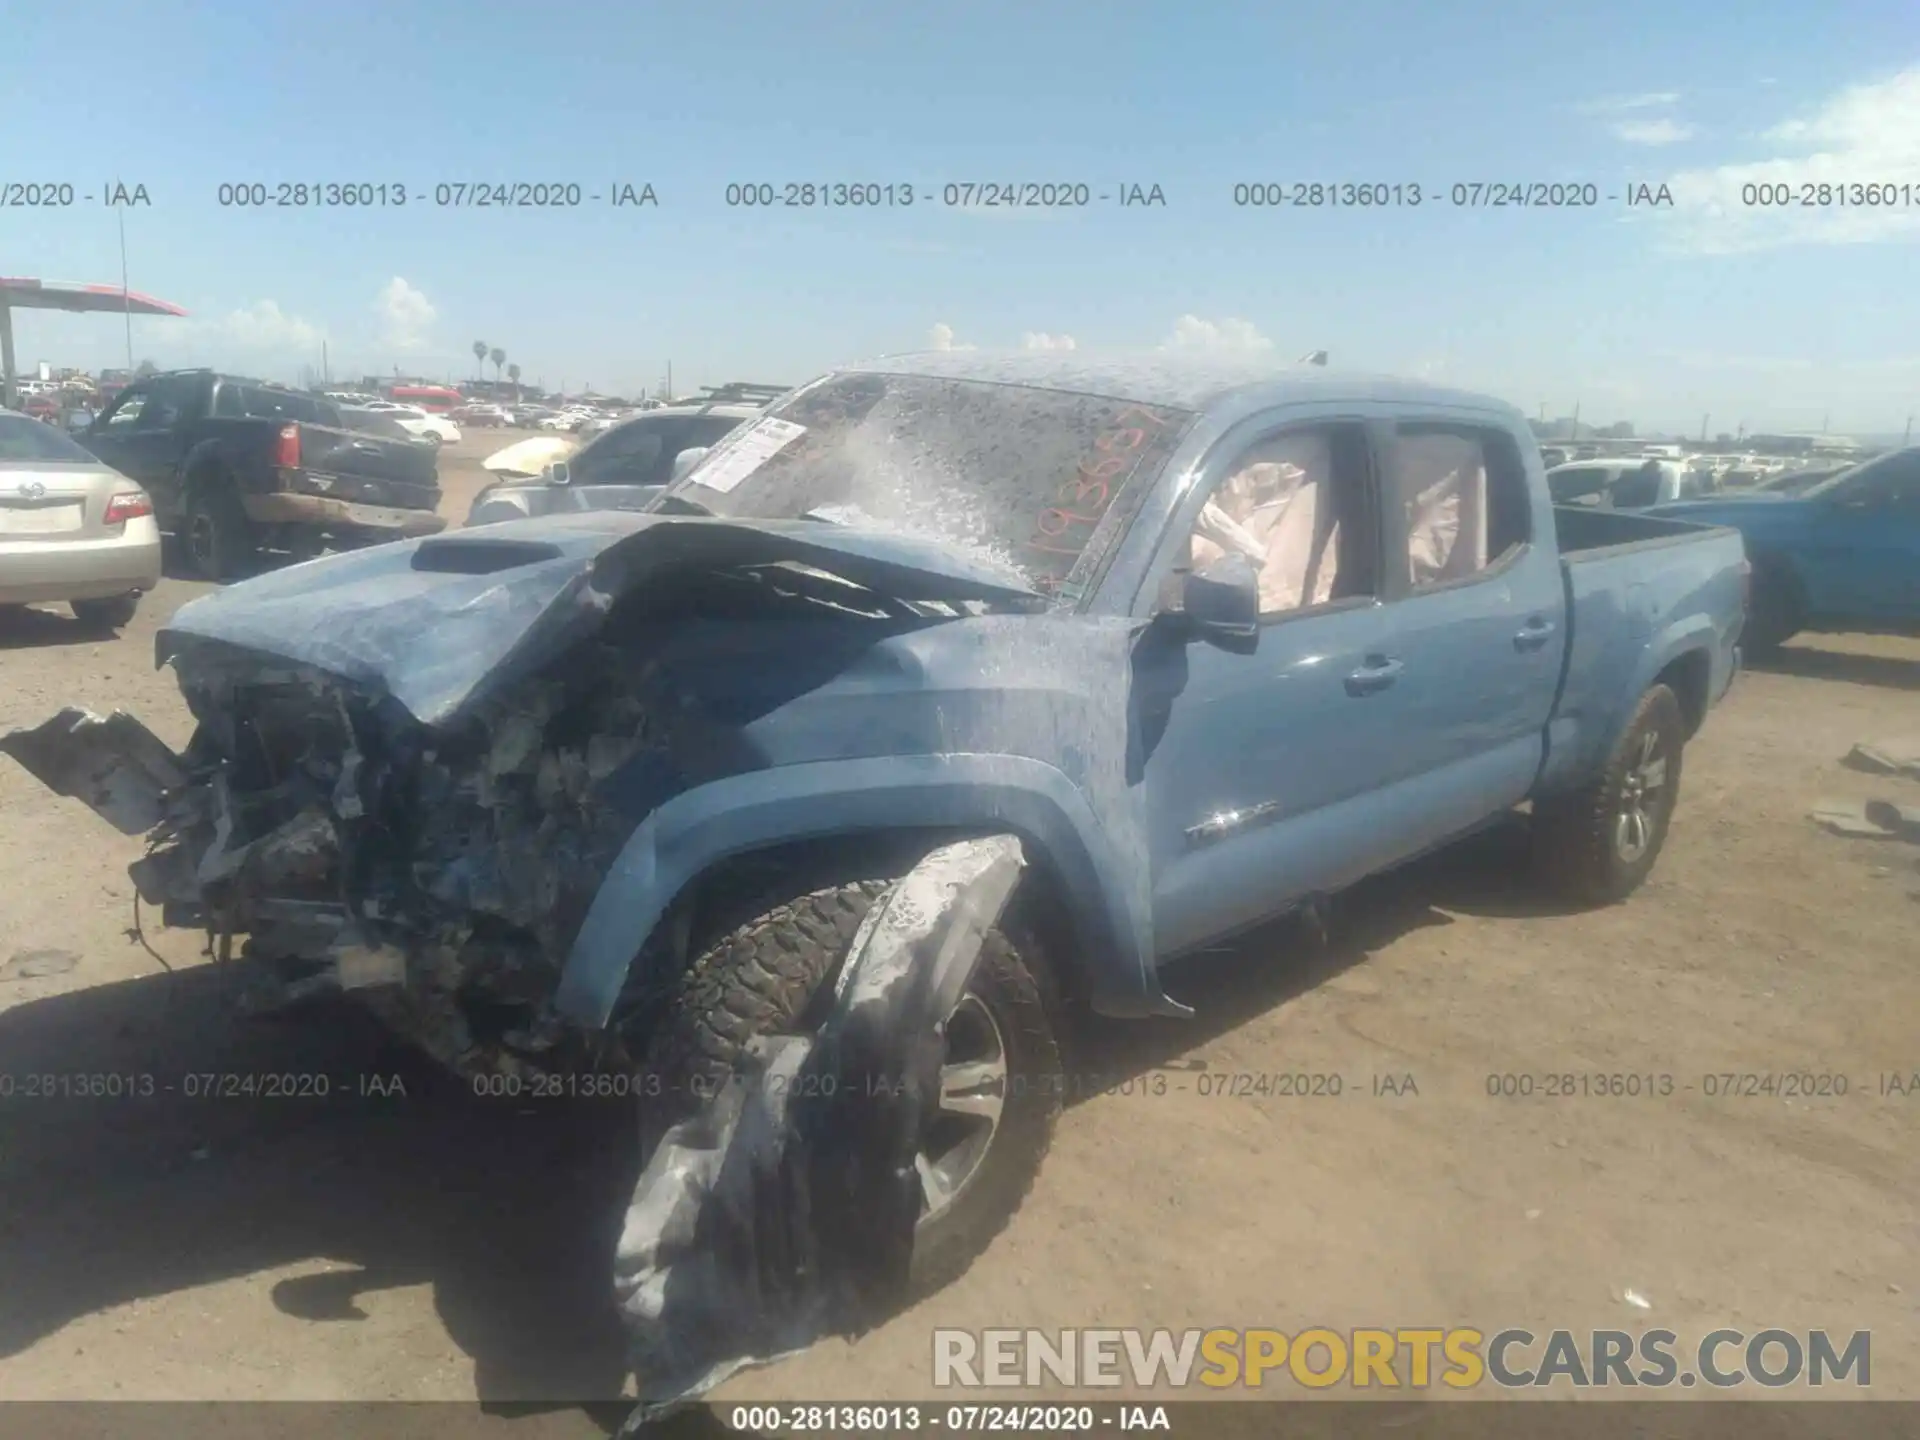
[1598, 845]
[220, 540]
[1000, 1083]
[105, 615]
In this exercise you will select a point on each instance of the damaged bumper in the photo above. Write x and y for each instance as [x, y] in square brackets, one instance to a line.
[320, 512]
[113, 764]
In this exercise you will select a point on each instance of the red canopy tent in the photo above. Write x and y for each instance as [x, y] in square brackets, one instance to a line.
[17, 293]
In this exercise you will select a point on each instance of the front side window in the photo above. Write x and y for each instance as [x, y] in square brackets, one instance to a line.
[1295, 506]
[133, 400]
[1036, 481]
[166, 403]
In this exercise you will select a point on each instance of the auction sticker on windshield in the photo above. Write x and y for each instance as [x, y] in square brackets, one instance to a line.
[756, 445]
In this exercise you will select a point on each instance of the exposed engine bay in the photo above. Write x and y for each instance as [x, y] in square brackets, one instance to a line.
[439, 872]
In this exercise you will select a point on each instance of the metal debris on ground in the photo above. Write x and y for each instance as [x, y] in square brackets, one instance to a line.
[38, 964]
[1869, 819]
[1886, 757]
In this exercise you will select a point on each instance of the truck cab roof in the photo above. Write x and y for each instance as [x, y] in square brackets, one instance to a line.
[1172, 378]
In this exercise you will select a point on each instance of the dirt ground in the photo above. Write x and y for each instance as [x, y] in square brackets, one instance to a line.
[434, 1246]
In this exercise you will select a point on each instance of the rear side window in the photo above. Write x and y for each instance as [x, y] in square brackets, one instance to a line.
[1584, 485]
[1460, 495]
[255, 402]
[1637, 488]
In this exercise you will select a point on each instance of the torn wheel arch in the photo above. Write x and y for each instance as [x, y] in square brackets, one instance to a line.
[1109, 959]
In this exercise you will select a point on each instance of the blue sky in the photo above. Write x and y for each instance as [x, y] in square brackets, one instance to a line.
[1780, 320]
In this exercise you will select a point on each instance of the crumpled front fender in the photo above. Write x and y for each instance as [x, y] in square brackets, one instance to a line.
[785, 1209]
[1106, 894]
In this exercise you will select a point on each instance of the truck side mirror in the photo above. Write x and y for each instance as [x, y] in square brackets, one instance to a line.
[559, 473]
[1221, 600]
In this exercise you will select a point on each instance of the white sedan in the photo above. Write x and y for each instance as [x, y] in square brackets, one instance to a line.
[436, 430]
[71, 528]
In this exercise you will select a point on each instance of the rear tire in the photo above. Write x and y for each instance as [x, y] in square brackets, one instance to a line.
[774, 975]
[219, 539]
[106, 615]
[1597, 845]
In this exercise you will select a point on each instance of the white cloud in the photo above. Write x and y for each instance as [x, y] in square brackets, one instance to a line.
[262, 328]
[1653, 100]
[1230, 336]
[940, 337]
[1865, 134]
[1040, 340]
[406, 315]
[1651, 132]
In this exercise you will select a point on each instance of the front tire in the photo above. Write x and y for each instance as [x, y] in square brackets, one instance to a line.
[1597, 845]
[1001, 1085]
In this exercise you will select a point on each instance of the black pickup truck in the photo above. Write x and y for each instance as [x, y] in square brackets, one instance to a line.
[236, 466]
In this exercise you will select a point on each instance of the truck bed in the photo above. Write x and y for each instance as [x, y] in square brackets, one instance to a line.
[1584, 529]
[1640, 590]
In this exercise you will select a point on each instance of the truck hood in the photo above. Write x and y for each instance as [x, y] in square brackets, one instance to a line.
[437, 622]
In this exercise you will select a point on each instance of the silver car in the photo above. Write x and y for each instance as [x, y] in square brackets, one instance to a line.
[623, 468]
[71, 528]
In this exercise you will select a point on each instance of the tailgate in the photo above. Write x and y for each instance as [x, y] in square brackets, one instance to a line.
[408, 469]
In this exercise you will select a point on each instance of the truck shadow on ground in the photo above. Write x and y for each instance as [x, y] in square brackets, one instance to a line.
[507, 1210]
[1229, 985]
[1889, 672]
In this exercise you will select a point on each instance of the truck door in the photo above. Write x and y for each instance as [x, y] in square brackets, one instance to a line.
[1258, 763]
[1475, 606]
[144, 436]
[1860, 550]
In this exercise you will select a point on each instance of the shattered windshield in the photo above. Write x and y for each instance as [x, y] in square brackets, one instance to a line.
[1036, 481]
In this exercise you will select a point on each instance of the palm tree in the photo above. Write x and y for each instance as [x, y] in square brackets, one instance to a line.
[479, 356]
[499, 358]
[513, 374]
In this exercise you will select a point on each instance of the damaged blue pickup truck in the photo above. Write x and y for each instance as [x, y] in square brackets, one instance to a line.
[1185, 645]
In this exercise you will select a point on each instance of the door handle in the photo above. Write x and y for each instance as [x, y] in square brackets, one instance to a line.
[1376, 675]
[1535, 633]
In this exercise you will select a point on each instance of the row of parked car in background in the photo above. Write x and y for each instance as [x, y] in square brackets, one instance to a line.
[573, 418]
